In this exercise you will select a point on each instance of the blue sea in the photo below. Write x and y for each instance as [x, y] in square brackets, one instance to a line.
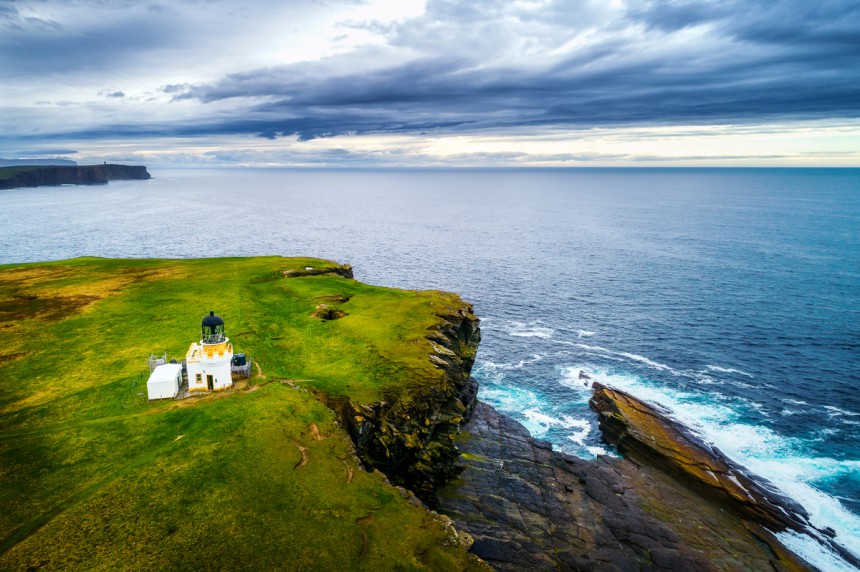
[729, 296]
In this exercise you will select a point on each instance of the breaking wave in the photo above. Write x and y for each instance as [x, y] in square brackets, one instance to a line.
[534, 329]
[546, 393]
[778, 458]
[727, 370]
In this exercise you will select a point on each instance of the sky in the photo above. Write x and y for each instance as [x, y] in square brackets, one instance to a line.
[432, 83]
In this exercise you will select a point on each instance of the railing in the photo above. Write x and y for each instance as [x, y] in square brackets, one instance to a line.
[155, 361]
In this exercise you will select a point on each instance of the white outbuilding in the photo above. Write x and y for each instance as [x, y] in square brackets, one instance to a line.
[164, 381]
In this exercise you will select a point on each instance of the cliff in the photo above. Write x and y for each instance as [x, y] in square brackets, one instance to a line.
[411, 438]
[671, 503]
[53, 175]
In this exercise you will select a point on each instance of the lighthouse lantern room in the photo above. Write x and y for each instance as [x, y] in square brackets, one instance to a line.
[208, 362]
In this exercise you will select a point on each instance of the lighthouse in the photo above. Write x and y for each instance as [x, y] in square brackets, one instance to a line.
[208, 362]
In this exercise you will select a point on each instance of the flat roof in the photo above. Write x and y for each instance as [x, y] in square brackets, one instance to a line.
[165, 372]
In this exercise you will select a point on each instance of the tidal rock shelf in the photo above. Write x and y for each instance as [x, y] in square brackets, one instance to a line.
[670, 503]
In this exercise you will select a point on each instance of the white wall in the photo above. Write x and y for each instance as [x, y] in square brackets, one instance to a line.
[164, 382]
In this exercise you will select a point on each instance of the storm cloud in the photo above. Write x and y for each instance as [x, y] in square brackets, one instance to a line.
[658, 63]
[482, 66]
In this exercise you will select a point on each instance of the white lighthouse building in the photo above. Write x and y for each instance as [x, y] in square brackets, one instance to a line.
[208, 362]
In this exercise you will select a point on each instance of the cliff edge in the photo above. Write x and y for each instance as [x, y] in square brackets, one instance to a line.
[54, 175]
[411, 437]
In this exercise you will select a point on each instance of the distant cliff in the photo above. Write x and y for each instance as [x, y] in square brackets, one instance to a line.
[53, 175]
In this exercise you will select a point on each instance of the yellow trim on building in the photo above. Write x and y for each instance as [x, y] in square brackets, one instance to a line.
[193, 353]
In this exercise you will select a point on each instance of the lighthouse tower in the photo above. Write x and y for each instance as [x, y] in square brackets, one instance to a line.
[208, 362]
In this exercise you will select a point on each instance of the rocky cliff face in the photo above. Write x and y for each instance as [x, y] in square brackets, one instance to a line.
[529, 507]
[670, 503]
[412, 439]
[73, 175]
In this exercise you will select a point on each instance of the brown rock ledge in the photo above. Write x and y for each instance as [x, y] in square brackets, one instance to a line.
[528, 507]
[647, 435]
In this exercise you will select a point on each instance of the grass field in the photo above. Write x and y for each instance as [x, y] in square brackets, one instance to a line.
[9, 172]
[93, 476]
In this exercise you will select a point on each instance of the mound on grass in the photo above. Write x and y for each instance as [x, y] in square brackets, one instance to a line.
[94, 476]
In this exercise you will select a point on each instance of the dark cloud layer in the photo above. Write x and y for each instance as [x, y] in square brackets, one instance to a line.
[103, 36]
[695, 62]
[484, 65]
[42, 152]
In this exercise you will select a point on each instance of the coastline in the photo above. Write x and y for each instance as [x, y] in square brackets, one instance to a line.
[15, 177]
[671, 502]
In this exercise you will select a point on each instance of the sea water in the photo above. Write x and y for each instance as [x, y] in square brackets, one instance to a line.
[729, 296]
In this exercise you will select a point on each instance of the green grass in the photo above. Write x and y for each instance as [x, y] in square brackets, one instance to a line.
[9, 172]
[94, 476]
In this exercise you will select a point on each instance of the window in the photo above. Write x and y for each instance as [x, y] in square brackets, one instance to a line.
[199, 378]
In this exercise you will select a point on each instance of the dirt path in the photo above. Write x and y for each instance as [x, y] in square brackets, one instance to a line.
[304, 459]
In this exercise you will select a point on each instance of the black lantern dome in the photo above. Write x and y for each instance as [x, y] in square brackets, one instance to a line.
[213, 329]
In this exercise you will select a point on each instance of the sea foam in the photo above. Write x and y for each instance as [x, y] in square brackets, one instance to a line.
[775, 457]
[534, 329]
[727, 370]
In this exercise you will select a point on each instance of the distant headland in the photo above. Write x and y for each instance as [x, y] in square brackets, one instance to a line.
[52, 175]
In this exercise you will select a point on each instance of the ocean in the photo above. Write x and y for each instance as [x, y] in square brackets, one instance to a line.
[729, 296]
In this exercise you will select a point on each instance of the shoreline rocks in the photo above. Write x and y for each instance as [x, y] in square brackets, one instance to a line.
[647, 435]
[527, 506]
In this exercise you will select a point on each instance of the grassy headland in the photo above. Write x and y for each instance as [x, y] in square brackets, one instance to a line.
[13, 177]
[94, 476]
[9, 172]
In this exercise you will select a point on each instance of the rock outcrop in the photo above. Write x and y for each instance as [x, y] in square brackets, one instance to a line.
[648, 436]
[412, 438]
[529, 507]
[344, 270]
[54, 175]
